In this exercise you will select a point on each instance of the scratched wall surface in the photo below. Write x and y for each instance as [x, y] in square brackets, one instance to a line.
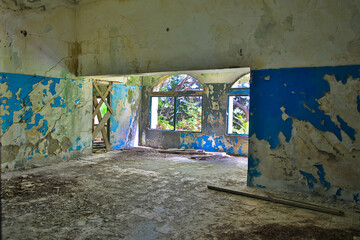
[125, 100]
[148, 36]
[305, 130]
[213, 136]
[43, 119]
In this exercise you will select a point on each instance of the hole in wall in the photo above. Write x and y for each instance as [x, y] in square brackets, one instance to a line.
[24, 32]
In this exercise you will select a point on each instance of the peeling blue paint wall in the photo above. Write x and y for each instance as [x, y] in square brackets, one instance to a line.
[37, 119]
[125, 101]
[214, 143]
[305, 129]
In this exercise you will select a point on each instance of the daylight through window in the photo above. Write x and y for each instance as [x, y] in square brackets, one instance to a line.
[239, 103]
[176, 104]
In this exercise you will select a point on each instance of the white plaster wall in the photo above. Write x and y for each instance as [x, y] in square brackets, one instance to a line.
[51, 34]
[133, 36]
[158, 35]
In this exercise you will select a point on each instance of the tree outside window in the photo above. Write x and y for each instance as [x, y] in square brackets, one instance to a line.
[176, 104]
[239, 104]
[238, 115]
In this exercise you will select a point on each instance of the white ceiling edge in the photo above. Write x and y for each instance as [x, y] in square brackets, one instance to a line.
[122, 77]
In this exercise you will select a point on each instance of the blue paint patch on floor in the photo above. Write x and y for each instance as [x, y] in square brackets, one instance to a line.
[297, 90]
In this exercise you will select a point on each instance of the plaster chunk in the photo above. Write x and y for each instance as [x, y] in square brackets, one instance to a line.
[308, 147]
[215, 106]
[211, 89]
[284, 116]
[4, 91]
[33, 135]
[14, 135]
[345, 94]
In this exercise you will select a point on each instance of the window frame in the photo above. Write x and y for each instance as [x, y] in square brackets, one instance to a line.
[150, 117]
[234, 92]
[176, 95]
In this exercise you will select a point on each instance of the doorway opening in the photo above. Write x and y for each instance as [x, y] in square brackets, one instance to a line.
[101, 117]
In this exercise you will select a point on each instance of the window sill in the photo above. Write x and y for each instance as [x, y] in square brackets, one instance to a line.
[175, 131]
[237, 135]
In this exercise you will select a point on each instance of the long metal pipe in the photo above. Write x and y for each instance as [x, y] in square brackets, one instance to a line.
[281, 201]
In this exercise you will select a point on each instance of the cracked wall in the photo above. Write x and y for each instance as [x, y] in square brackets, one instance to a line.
[305, 130]
[150, 36]
[37, 37]
[125, 100]
[43, 119]
[213, 136]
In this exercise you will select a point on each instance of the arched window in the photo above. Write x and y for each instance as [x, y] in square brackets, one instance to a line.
[176, 104]
[179, 83]
[239, 104]
[242, 82]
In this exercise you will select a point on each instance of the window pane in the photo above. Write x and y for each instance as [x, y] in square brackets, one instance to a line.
[189, 110]
[239, 115]
[162, 113]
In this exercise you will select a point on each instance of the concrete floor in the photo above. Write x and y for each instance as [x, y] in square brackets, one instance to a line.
[143, 194]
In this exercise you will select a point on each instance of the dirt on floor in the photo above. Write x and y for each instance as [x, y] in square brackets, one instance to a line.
[144, 194]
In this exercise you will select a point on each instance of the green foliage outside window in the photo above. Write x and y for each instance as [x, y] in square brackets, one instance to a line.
[103, 109]
[188, 108]
[165, 112]
[240, 123]
[189, 113]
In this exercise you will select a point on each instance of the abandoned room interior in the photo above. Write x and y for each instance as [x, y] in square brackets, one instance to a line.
[208, 119]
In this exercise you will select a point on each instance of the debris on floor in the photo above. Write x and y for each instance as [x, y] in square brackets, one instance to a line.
[184, 151]
[281, 201]
[143, 194]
